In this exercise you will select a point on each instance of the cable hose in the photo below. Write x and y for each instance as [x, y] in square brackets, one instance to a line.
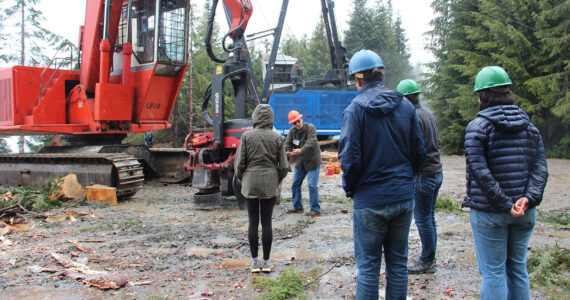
[209, 32]
[231, 32]
[205, 101]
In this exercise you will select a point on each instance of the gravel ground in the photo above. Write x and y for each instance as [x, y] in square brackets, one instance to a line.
[166, 246]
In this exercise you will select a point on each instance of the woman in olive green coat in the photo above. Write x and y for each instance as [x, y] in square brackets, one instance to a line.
[261, 164]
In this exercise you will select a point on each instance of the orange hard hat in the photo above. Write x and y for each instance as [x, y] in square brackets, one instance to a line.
[294, 116]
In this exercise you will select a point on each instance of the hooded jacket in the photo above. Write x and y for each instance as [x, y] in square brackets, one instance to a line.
[381, 144]
[260, 161]
[505, 160]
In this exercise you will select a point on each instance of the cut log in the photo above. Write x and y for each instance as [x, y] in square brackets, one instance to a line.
[102, 193]
[69, 188]
[329, 156]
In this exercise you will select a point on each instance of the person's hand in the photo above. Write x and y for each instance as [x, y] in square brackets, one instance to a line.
[297, 151]
[288, 153]
[516, 211]
[522, 204]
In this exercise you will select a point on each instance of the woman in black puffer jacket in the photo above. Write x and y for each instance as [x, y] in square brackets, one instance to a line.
[506, 177]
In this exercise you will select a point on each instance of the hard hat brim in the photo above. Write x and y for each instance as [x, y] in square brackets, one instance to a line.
[295, 120]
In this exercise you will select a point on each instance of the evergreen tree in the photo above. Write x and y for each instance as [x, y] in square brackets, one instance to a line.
[4, 148]
[3, 37]
[375, 28]
[527, 38]
[447, 99]
[28, 42]
[312, 52]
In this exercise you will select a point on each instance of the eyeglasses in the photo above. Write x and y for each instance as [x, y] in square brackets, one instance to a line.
[296, 122]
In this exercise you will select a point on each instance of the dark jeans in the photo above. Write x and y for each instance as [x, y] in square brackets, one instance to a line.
[253, 208]
[387, 227]
[426, 189]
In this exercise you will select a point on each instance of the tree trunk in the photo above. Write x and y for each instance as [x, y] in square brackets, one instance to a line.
[22, 38]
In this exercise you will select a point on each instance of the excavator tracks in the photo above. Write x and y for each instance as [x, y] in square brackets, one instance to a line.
[122, 171]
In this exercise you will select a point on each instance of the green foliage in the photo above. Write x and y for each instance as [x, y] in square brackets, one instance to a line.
[374, 27]
[545, 267]
[25, 40]
[33, 198]
[529, 39]
[289, 284]
[312, 52]
[561, 220]
[335, 199]
[134, 139]
[447, 204]
[307, 222]
[4, 148]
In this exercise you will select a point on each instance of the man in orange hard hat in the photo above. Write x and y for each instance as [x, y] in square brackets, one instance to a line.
[303, 147]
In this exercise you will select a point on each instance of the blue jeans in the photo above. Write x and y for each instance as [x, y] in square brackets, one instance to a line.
[387, 227]
[426, 189]
[313, 183]
[501, 242]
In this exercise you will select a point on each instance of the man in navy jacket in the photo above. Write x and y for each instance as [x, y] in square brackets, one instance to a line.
[381, 144]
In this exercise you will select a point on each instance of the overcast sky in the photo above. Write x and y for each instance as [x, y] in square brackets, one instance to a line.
[302, 17]
[65, 16]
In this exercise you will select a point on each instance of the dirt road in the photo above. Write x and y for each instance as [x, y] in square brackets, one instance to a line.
[167, 247]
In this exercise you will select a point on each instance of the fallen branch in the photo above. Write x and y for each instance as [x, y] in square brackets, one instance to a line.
[18, 208]
[36, 215]
[75, 270]
[141, 283]
[323, 274]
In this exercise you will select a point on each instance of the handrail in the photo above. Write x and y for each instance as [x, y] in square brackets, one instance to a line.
[64, 60]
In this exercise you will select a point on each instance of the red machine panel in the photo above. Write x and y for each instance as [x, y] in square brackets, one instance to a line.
[113, 102]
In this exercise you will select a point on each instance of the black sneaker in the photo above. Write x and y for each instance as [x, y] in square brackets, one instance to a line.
[421, 268]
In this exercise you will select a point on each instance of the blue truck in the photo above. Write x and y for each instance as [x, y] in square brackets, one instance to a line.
[322, 108]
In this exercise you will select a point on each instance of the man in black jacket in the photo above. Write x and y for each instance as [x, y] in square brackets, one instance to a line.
[427, 180]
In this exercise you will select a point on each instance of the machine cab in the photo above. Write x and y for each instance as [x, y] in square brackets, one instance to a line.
[158, 33]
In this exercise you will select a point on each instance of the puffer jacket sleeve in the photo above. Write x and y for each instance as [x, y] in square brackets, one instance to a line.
[240, 162]
[476, 141]
[538, 172]
[349, 150]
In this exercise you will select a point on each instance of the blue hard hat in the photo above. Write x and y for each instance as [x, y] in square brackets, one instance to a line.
[364, 60]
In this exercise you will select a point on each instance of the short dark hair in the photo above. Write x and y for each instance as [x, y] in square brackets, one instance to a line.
[414, 98]
[372, 75]
[495, 96]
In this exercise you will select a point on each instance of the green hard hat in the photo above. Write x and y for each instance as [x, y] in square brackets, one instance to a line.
[492, 76]
[407, 87]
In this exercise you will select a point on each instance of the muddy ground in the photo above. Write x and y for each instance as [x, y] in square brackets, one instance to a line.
[168, 247]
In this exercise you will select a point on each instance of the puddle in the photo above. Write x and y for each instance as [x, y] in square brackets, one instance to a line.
[202, 252]
[235, 263]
